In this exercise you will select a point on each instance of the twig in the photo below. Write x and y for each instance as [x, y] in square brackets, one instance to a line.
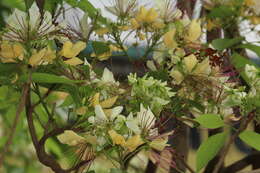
[16, 121]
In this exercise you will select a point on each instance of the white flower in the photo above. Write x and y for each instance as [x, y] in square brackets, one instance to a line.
[168, 10]
[103, 116]
[81, 28]
[107, 79]
[132, 124]
[24, 27]
[146, 118]
[123, 8]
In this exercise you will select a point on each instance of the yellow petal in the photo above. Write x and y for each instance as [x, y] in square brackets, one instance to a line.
[70, 50]
[82, 110]
[66, 49]
[69, 137]
[95, 99]
[203, 68]
[78, 47]
[134, 142]
[74, 61]
[7, 51]
[36, 58]
[141, 14]
[159, 143]
[190, 62]
[151, 15]
[134, 24]
[168, 39]
[178, 77]
[117, 138]
[108, 112]
[102, 31]
[108, 102]
[91, 139]
[158, 25]
[194, 31]
[49, 56]
[18, 50]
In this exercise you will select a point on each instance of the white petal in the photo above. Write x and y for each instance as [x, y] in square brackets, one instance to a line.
[100, 115]
[35, 15]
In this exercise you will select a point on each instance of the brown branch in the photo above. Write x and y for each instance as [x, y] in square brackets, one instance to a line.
[16, 121]
[241, 164]
[244, 123]
[39, 145]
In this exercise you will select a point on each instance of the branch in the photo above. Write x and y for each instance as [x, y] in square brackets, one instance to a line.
[16, 121]
[241, 164]
[245, 121]
[39, 145]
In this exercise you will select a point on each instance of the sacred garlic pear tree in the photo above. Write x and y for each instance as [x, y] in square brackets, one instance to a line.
[63, 109]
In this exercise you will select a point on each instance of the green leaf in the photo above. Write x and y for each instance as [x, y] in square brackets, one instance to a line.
[251, 138]
[19, 4]
[92, 171]
[8, 68]
[116, 170]
[51, 5]
[224, 43]
[208, 150]
[100, 47]
[222, 11]
[48, 78]
[210, 121]
[251, 47]
[53, 146]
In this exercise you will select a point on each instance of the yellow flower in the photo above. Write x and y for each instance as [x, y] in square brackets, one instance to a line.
[177, 75]
[108, 103]
[133, 142]
[158, 25]
[190, 62]
[147, 16]
[46, 55]
[134, 24]
[70, 138]
[117, 138]
[203, 68]
[102, 31]
[105, 105]
[169, 40]
[70, 50]
[9, 52]
[194, 31]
